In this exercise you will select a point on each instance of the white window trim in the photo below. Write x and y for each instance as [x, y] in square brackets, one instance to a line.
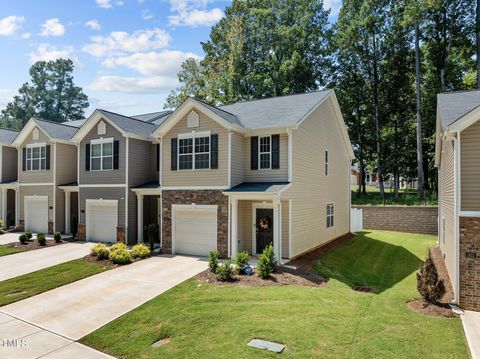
[262, 153]
[193, 135]
[331, 215]
[101, 141]
[30, 147]
[326, 162]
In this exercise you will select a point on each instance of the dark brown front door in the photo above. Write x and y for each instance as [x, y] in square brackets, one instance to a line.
[264, 228]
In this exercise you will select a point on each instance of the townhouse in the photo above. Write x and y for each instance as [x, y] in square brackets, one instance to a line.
[8, 178]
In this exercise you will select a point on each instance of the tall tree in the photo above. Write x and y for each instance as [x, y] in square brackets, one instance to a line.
[51, 95]
[477, 38]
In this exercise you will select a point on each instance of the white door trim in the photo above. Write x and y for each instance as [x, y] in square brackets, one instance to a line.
[255, 206]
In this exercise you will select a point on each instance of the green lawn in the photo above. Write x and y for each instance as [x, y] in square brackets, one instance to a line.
[207, 321]
[4, 250]
[28, 285]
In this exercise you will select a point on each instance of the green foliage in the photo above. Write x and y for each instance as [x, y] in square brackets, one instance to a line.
[213, 260]
[57, 237]
[225, 271]
[120, 256]
[100, 251]
[152, 232]
[140, 251]
[242, 260]
[430, 287]
[267, 262]
[118, 246]
[29, 234]
[41, 239]
[23, 238]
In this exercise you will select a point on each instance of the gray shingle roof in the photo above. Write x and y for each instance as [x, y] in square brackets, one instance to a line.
[258, 187]
[59, 131]
[274, 111]
[130, 124]
[454, 105]
[7, 136]
[151, 117]
[76, 123]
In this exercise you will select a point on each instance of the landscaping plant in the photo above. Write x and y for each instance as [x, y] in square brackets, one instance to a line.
[23, 238]
[430, 287]
[242, 261]
[152, 231]
[41, 240]
[100, 251]
[225, 271]
[267, 262]
[57, 237]
[29, 235]
[119, 254]
[140, 251]
[213, 260]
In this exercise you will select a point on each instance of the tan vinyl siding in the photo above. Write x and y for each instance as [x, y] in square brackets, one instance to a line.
[104, 193]
[285, 234]
[9, 164]
[470, 167]
[66, 163]
[277, 175]
[447, 204]
[36, 191]
[238, 173]
[203, 177]
[103, 177]
[311, 190]
[45, 176]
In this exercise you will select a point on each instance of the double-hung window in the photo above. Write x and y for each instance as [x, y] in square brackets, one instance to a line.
[265, 152]
[194, 151]
[101, 154]
[36, 157]
[330, 215]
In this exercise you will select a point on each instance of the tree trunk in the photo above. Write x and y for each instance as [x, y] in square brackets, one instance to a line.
[377, 118]
[395, 167]
[477, 34]
[419, 115]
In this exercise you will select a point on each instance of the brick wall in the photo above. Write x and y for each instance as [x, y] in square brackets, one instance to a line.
[401, 218]
[469, 294]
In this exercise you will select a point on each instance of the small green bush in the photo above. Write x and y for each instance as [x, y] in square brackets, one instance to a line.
[267, 262]
[140, 251]
[242, 261]
[120, 255]
[225, 271]
[29, 235]
[23, 238]
[118, 246]
[213, 260]
[100, 251]
[41, 240]
[57, 237]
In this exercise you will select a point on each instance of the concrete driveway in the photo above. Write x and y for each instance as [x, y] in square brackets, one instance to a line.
[9, 238]
[76, 309]
[18, 264]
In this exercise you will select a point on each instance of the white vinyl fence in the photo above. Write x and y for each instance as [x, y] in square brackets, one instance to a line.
[356, 220]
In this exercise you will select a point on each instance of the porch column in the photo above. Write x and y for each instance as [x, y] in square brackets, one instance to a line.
[276, 229]
[67, 211]
[234, 227]
[4, 207]
[140, 218]
[17, 206]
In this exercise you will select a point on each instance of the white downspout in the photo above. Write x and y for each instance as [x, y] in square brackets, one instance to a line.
[457, 192]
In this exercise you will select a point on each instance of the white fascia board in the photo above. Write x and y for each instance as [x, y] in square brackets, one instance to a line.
[26, 130]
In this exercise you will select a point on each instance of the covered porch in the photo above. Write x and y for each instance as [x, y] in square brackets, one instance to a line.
[71, 207]
[9, 197]
[258, 217]
[148, 210]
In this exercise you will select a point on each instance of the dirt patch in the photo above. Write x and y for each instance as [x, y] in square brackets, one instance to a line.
[32, 245]
[363, 289]
[441, 310]
[283, 276]
[107, 262]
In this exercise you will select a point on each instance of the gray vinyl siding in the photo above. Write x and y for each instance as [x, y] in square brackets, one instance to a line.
[141, 164]
[276, 175]
[237, 163]
[59, 210]
[66, 163]
[9, 164]
[104, 193]
[36, 191]
[103, 177]
[203, 177]
[470, 168]
[44, 176]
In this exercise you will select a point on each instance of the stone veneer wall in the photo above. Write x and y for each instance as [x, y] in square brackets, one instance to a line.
[469, 294]
[415, 219]
[200, 197]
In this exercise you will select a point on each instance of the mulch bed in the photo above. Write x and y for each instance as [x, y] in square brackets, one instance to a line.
[442, 310]
[32, 245]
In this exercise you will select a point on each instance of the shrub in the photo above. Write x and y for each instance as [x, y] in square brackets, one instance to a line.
[267, 262]
[213, 260]
[29, 235]
[120, 255]
[140, 251]
[225, 271]
[152, 231]
[41, 240]
[100, 251]
[57, 237]
[23, 238]
[429, 286]
[118, 246]
[242, 261]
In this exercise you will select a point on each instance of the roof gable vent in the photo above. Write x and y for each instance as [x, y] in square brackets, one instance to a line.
[193, 119]
[101, 128]
[36, 134]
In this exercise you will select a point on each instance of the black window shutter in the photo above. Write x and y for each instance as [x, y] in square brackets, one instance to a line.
[254, 153]
[275, 151]
[173, 165]
[87, 157]
[214, 151]
[24, 159]
[158, 157]
[47, 157]
[115, 154]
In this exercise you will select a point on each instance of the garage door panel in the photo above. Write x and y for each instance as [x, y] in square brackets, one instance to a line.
[36, 214]
[195, 232]
[102, 222]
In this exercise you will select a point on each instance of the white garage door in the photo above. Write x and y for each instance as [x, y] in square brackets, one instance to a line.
[36, 213]
[101, 220]
[195, 230]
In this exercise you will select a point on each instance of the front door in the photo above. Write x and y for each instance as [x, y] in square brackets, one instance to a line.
[264, 228]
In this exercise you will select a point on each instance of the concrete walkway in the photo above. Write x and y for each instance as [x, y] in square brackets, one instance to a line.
[9, 238]
[18, 264]
[471, 327]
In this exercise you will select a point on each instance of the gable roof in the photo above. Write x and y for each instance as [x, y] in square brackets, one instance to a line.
[7, 135]
[55, 131]
[76, 123]
[454, 105]
[152, 117]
